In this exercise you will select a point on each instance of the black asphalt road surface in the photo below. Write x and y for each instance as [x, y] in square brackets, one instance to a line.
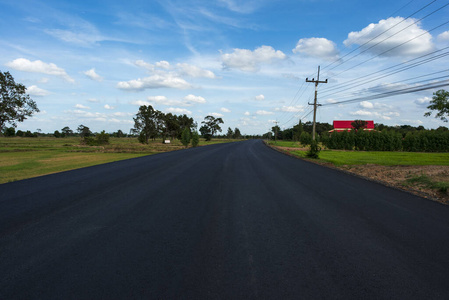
[229, 221]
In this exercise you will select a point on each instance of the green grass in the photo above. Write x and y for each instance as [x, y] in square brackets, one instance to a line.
[384, 158]
[22, 158]
[426, 181]
[290, 144]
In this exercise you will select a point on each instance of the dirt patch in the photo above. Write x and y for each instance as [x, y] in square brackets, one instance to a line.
[396, 176]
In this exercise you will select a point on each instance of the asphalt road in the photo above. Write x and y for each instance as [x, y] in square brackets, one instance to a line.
[230, 221]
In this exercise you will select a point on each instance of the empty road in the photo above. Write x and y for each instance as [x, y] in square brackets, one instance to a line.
[229, 221]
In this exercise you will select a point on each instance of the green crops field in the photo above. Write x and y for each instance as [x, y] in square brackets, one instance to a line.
[22, 158]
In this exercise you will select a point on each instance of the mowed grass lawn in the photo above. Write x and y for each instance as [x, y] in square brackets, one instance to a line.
[22, 158]
[385, 158]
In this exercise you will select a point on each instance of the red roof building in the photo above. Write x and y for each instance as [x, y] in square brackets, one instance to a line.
[340, 126]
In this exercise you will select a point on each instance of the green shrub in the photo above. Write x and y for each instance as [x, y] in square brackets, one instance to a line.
[314, 150]
[195, 139]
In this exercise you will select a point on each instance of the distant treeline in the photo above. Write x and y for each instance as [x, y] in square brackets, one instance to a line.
[383, 138]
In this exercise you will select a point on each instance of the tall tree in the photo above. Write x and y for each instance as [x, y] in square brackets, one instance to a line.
[230, 133]
[210, 127]
[146, 123]
[66, 131]
[185, 138]
[440, 103]
[237, 133]
[15, 104]
[84, 131]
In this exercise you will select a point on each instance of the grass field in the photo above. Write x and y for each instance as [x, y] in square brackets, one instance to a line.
[384, 158]
[22, 158]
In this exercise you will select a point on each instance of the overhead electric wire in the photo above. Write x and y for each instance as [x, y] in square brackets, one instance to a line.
[394, 69]
[409, 90]
[365, 80]
[360, 46]
[393, 48]
[370, 91]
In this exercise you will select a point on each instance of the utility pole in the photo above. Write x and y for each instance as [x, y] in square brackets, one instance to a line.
[315, 104]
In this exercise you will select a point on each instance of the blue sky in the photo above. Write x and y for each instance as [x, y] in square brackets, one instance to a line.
[95, 62]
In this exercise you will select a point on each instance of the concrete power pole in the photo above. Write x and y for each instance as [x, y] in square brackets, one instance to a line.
[315, 105]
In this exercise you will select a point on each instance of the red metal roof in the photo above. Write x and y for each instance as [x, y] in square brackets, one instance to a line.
[347, 124]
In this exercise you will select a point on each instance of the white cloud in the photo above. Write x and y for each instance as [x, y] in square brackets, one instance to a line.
[140, 102]
[317, 47]
[93, 75]
[36, 91]
[217, 115]
[162, 100]
[423, 101]
[376, 115]
[260, 97]
[196, 99]
[143, 64]
[225, 110]
[122, 114]
[38, 66]
[443, 36]
[180, 111]
[368, 35]
[247, 113]
[297, 108]
[80, 106]
[243, 7]
[93, 100]
[154, 82]
[250, 61]
[264, 112]
[366, 104]
[361, 113]
[163, 64]
[415, 122]
[107, 106]
[194, 71]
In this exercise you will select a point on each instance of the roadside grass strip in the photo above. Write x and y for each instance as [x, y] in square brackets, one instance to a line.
[384, 158]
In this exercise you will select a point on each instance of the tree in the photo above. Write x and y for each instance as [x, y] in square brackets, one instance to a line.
[359, 124]
[185, 138]
[84, 131]
[9, 131]
[277, 132]
[15, 104]
[195, 139]
[210, 127]
[146, 123]
[230, 133]
[237, 133]
[57, 134]
[440, 103]
[66, 131]
[297, 130]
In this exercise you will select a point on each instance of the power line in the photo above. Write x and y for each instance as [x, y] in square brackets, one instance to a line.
[396, 69]
[409, 90]
[393, 48]
[360, 46]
